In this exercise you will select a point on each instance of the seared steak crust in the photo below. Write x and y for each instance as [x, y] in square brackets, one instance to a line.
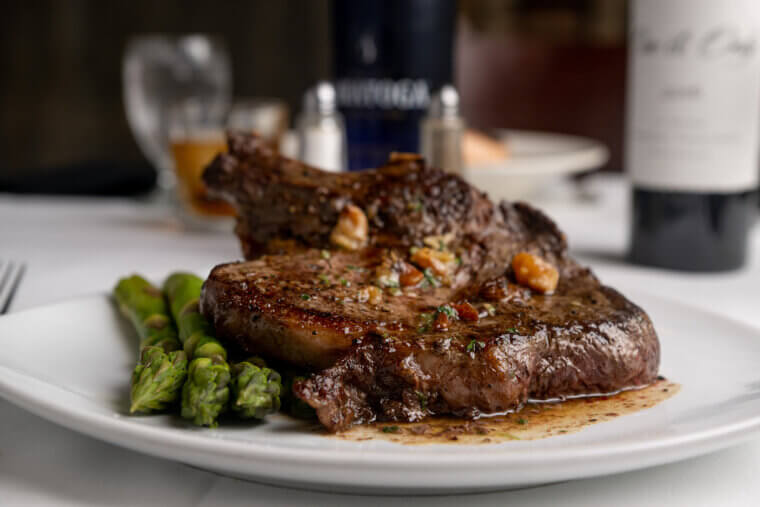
[384, 360]
[283, 205]
[283, 199]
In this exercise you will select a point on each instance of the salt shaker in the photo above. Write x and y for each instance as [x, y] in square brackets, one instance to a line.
[321, 131]
[441, 131]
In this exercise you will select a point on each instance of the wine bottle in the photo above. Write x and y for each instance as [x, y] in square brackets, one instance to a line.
[692, 131]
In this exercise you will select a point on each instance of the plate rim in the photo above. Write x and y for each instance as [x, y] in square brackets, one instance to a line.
[107, 427]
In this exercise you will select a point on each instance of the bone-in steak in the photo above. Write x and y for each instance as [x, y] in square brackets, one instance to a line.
[465, 341]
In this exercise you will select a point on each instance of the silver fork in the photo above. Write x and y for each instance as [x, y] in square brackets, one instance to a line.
[10, 278]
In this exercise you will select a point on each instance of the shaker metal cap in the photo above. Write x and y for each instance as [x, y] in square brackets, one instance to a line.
[321, 98]
[445, 102]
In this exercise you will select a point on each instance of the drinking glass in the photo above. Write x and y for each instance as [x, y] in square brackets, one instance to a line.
[196, 137]
[161, 72]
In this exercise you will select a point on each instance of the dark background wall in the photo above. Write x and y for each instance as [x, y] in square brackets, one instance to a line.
[60, 83]
[542, 64]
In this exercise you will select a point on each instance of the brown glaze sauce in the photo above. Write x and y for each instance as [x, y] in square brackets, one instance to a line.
[534, 421]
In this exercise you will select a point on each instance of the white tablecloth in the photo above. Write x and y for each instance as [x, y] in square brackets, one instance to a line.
[79, 246]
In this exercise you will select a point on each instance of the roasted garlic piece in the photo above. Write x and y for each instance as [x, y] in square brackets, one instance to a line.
[410, 275]
[440, 242]
[371, 294]
[386, 277]
[535, 273]
[439, 262]
[465, 311]
[352, 230]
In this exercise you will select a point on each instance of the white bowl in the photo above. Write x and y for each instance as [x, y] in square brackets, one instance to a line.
[535, 160]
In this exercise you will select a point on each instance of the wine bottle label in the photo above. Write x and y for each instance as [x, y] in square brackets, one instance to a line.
[694, 95]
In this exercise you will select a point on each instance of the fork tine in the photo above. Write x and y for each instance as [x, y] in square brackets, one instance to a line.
[11, 278]
[5, 267]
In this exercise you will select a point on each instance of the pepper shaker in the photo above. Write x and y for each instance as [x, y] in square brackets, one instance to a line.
[441, 131]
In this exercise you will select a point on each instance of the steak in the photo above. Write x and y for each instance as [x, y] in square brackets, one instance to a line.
[467, 341]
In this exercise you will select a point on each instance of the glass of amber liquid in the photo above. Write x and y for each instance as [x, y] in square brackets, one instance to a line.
[196, 137]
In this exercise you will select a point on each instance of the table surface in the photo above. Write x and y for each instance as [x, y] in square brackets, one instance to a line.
[75, 247]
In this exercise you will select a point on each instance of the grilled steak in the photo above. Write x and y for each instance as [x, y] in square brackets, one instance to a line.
[388, 339]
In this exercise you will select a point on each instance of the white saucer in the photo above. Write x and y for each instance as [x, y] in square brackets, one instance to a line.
[535, 160]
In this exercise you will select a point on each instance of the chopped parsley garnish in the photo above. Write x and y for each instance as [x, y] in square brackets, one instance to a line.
[387, 279]
[511, 330]
[427, 319]
[475, 345]
[325, 254]
[344, 282]
[413, 250]
[414, 205]
[430, 278]
[305, 297]
[522, 421]
[354, 268]
[449, 311]
[395, 291]
[441, 245]
[459, 261]
[490, 309]
[422, 398]
[324, 278]
[390, 429]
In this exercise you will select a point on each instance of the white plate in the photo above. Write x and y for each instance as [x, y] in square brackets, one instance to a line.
[70, 363]
[535, 160]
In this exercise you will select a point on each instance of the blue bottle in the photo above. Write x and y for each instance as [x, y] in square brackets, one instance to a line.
[390, 57]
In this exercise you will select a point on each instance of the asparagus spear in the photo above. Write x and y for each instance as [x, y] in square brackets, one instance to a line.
[255, 389]
[206, 392]
[157, 379]
[161, 369]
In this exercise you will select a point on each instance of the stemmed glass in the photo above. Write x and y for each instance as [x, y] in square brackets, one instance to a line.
[162, 71]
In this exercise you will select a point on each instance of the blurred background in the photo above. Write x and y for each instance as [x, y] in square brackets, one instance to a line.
[516, 96]
[61, 89]
[550, 65]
